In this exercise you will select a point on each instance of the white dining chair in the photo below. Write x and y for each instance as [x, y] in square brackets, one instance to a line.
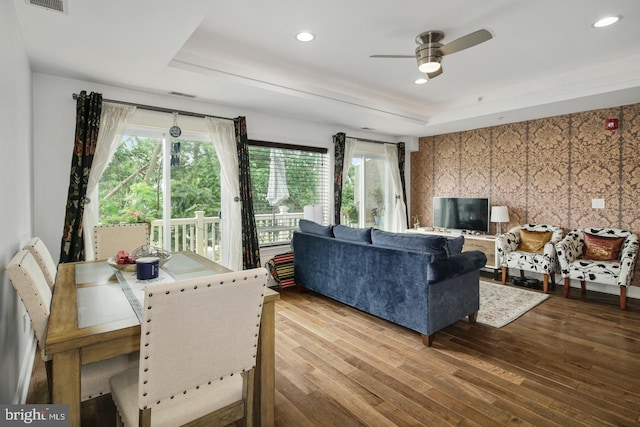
[109, 239]
[42, 255]
[198, 349]
[32, 288]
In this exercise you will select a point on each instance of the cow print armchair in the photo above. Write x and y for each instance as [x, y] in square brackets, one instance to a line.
[530, 247]
[599, 255]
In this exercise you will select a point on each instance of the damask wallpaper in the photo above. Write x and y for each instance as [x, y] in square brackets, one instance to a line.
[545, 171]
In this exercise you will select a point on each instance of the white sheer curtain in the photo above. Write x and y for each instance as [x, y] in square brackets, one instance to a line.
[222, 134]
[349, 148]
[113, 121]
[396, 218]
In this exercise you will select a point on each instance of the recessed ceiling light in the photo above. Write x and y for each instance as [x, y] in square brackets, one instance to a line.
[305, 37]
[421, 81]
[604, 22]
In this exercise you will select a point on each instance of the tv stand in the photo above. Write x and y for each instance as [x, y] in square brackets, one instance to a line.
[486, 244]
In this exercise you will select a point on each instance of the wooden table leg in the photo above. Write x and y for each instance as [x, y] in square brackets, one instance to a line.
[66, 383]
[264, 389]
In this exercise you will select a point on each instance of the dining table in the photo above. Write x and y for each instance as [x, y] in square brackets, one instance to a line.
[95, 316]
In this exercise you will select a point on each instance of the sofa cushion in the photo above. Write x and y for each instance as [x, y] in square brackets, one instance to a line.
[435, 245]
[600, 248]
[454, 246]
[351, 234]
[533, 241]
[311, 227]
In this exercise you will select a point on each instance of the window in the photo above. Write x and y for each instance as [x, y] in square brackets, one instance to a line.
[364, 196]
[131, 189]
[285, 179]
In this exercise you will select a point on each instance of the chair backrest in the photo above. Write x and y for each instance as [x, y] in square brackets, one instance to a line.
[29, 281]
[557, 231]
[42, 255]
[214, 320]
[109, 239]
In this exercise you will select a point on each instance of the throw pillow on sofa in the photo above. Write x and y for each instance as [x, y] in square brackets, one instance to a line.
[602, 248]
[361, 235]
[436, 245]
[455, 245]
[533, 241]
[311, 227]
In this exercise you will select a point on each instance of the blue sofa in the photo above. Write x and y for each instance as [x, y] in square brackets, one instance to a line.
[418, 281]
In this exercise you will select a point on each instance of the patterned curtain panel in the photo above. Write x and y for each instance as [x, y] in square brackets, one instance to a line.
[88, 111]
[338, 145]
[401, 155]
[250, 246]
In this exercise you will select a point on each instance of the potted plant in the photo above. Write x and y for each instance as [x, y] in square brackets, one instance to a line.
[378, 198]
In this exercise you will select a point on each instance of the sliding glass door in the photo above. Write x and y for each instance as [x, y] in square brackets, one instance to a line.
[365, 192]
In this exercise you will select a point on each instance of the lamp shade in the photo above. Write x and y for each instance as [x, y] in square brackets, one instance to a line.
[499, 214]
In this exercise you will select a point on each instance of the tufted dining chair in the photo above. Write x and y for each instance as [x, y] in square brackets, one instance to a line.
[530, 247]
[32, 288]
[197, 353]
[42, 255]
[109, 239]
[599, 255]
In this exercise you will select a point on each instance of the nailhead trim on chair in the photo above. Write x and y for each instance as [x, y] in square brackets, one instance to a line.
[147, 334]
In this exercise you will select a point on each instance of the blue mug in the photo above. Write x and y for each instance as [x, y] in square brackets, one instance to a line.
[147, 268]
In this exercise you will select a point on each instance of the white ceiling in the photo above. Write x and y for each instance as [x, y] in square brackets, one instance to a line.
[545, 58]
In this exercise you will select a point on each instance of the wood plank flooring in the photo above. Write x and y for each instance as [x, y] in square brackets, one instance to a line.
[567, 362]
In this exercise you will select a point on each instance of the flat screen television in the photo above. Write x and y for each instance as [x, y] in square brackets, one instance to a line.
[461, 213]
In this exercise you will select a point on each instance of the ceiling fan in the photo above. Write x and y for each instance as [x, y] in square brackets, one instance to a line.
[430, 51]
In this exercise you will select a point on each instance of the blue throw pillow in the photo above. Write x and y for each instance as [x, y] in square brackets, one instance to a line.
[454, 246]
[435, 245]
[362, 235]
[311, 227]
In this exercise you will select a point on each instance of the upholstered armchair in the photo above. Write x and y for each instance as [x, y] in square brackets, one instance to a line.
[599, 255]
[530, 247]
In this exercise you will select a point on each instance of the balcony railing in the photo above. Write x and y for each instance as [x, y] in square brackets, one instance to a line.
[201, 234]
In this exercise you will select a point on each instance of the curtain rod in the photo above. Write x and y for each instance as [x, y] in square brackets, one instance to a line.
[160, 109]
[370, 140]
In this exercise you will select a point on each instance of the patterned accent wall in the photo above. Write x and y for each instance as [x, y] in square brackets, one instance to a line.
[545, 171]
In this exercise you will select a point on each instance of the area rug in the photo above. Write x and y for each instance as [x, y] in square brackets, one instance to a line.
[501, 304]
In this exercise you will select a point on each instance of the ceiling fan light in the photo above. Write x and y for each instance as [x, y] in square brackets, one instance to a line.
[429, 67]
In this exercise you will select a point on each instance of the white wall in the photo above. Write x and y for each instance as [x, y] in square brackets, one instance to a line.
[16, 337]
[54, 126]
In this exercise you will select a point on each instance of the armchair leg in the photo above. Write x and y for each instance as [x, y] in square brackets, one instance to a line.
[566, 287]
[504, 274]
[553, 280]
[583, 287]
[545, 284]
[623, 297]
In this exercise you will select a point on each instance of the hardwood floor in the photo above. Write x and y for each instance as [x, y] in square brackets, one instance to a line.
[567, 362]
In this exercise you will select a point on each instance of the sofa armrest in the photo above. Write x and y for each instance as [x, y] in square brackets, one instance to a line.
[507, 242]
[456, 265]
[549, 250]
[628, 260]
[568, 250]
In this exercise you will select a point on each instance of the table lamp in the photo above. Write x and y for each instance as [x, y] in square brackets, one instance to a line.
[499, 214]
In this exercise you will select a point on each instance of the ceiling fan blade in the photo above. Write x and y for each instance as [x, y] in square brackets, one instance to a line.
[392, 56]
[435, 73]
[465, 42]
